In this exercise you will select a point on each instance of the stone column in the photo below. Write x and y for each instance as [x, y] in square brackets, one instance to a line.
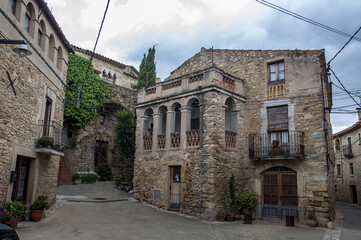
[155, 132]
[185, 126]
[169, 129]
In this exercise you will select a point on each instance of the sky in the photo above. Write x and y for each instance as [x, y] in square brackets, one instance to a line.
[180, 28]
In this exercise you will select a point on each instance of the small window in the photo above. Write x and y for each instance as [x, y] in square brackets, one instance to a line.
[337, 144]
[11, 6]
[102, 119]
[276, 71]
[351, 169]
[338, 169]
[27, 22]
[38, 39]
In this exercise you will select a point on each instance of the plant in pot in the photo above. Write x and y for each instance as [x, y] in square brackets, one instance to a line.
[221, 215]
[37, 208]
[247, 202]
[276, 150]
[228, 204]
[45, 142]
[105, 172]
[19, 210]
[312, 219]
[150, 132]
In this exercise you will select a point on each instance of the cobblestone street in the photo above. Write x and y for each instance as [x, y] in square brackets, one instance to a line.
[100, 211]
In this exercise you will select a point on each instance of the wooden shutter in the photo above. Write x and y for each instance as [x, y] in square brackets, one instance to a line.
[277, 118]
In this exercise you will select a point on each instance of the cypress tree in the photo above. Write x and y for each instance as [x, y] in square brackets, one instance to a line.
[150, 67]
[142, 74]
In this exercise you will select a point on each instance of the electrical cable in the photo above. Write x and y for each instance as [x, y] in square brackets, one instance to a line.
[300, 17]
[343, 87]
[328, 64]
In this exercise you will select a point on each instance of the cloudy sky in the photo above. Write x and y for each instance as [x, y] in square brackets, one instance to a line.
[181, 27]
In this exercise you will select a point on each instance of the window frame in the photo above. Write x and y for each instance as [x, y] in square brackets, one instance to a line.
[277, 72]
[351, 169]
[338, 170]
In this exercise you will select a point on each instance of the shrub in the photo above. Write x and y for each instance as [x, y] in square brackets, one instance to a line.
[312, 216]
[89, 178]
[7, 217]
[104, 171]
[75, 178]
[221, 213]
[247, 200]
[19, 209]
[45, 141]
[40, 203]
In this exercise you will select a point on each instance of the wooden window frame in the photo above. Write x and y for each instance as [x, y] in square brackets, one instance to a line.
[277, 71]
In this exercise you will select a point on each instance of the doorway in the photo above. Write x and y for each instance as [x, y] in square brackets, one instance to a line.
[280, 193]
[100, 153]
[20, 187]
[354, 194]
[175, 187]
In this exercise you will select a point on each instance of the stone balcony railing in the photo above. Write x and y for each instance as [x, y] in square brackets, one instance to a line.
[148, 142]
[192, 138]
[260, 147]
[347, 151]
[276, 90]
[212, 76]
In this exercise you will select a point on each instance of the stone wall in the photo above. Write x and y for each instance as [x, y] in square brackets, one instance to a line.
[80, 157]
[209, 171]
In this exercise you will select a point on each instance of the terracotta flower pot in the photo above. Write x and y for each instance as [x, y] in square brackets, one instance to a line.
[236, 217]
[312, 223]
[36, 215]
[221, 218]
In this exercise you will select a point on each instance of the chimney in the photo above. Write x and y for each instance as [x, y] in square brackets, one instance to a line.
[158, 80]
[359, 113]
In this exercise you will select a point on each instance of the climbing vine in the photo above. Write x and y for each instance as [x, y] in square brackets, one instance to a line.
[94, 92]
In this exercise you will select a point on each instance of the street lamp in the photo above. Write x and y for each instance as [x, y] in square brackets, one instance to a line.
[22, 49]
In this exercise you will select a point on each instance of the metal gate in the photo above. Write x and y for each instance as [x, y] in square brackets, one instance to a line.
[280, 193]
[175, 187]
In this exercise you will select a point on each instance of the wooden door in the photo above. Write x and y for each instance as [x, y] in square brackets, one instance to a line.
[175, 187]
[100, 153]
[20, 186]
[280, 193]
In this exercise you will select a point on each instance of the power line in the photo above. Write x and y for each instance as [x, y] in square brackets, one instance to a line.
[328, 64]
[295, 15]
[93, 52]
[344, 87]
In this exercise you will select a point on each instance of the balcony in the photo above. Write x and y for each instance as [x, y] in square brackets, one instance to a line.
[291, 147]
[347, 151]
[52, 138]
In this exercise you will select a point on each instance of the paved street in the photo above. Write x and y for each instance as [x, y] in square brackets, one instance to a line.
[120, 217]
[352, 223]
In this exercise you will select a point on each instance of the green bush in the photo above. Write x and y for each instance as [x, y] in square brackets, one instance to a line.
[45, 141]
[19, 209]
[247, 200]
[89, 178]
[123, 178]
[75, 178]
[40, 203]
[104, 171]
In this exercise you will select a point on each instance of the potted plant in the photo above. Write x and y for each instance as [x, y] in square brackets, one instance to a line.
[312, 219]
[45, 141]
[150, 132]
[276, 150]
[105, 172]
[7, 218]
[228, 204]
[221, 215]
[37, 208]
[247, 202]
[19, 210]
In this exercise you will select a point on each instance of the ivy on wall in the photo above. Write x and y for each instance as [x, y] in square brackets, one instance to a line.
[94, 92]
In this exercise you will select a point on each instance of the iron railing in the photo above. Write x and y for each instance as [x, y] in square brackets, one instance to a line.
[291, 146]
[347, 151]
[54, 130]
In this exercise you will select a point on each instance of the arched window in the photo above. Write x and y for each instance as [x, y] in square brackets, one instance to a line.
[29, 20]
[148, 129]
[162, 127]
[41, 38]
[230, 123]
[176, 127]
[11, 6]
[51, 47]
[193, 123]
[59, 62]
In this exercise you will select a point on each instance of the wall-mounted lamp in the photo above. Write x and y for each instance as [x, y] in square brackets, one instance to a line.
[22, 50]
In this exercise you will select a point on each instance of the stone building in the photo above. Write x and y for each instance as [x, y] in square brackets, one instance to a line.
[94, 144]
[348, 163]
[257, 114]
[31, 100]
